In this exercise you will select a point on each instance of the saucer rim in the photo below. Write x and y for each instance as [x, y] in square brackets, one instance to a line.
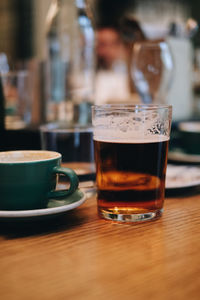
[182, 185]
[43, 211]
[179, 155]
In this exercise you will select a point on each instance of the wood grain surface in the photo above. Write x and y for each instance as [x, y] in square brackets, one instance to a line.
[80, 256]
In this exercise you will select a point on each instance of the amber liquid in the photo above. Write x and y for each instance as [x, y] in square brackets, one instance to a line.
[130, 176]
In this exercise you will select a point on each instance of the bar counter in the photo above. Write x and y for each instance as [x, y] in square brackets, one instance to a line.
[79, 256]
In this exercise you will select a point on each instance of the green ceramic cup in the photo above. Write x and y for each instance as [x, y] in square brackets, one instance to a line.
[28, 179]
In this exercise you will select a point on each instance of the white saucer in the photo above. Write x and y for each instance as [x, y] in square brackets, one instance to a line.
[55, 207]
[177, 155]
[178, 177]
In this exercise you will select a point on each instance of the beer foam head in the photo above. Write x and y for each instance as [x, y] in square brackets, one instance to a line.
[131, 126]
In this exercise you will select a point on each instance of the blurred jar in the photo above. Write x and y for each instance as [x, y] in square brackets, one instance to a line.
[70, 62]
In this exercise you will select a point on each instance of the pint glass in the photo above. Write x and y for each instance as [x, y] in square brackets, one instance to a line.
[131, 146]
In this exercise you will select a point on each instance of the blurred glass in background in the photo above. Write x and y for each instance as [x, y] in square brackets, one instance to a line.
[17, 99]
[70, 62]
[152, 70]
[74, 142]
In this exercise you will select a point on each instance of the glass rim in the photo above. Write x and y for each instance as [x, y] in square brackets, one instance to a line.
[65, 128]
[124, 106]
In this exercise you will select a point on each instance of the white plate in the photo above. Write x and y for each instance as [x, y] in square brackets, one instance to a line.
[179, 156]
[54, 208]
[182, 176]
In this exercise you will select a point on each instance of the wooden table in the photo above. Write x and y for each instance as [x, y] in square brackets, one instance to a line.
[80, 256]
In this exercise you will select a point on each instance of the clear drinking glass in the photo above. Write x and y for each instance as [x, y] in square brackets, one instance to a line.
[74, 142]
[131, 145]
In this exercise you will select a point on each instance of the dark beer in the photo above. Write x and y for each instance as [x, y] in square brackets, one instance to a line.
[131, 176]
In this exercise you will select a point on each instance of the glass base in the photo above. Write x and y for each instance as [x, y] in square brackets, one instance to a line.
[130, 217]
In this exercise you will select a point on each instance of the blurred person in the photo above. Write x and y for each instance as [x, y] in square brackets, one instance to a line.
[109, 47]
[111, 78]
[113, 52]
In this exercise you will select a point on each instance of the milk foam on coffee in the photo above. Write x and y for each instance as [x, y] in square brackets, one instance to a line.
[27, 156]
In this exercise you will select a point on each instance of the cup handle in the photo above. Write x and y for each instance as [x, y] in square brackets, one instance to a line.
[71, 175]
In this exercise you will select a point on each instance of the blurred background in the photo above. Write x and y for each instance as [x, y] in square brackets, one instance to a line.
[58, 57]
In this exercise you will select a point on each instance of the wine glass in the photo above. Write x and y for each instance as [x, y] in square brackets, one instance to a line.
[151, 70]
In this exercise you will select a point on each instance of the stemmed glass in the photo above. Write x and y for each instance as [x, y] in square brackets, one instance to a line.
[152, 70]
